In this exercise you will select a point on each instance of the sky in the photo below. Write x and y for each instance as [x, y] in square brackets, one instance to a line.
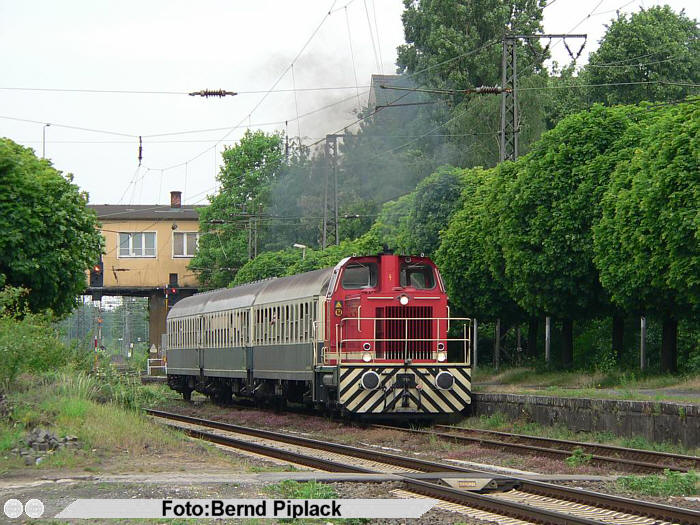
[149, 54]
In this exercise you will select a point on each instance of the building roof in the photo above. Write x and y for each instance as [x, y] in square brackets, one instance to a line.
[118, 212]
[379, 96]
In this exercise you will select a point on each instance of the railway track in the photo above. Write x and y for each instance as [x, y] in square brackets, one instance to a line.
[532, 501]
[602, 455]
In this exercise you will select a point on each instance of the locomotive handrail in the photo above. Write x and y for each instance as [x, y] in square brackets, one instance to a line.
[340, 340]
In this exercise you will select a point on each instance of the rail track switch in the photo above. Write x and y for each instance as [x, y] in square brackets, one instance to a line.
[482, 484]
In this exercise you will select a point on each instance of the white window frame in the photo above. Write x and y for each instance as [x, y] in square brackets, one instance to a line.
[184, 246]
[131, 247]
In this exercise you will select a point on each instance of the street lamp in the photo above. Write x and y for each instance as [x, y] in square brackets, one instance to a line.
[302, 247]
[43, 140]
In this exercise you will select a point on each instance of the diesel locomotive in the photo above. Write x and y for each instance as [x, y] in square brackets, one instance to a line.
[370, 337]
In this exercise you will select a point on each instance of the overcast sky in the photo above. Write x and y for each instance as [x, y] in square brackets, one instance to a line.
[175, 47]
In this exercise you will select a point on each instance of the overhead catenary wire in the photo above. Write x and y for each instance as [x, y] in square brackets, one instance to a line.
[352, 57]
[371, 36]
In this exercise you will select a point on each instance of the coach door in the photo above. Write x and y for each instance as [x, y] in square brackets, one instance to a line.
[200, 325]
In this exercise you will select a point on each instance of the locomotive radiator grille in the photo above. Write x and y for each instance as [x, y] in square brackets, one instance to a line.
[402, 328]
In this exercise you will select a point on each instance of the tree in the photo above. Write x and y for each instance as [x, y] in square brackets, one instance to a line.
[654, 46]
[249, 169]
[457, 45]
[436, 198]
[547, 214]
[267, 265]
[646, 242]
[439, 33]
[468, 250]
[49, 236]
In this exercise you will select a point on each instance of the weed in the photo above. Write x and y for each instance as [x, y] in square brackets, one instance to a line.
[669, 484]
[9, 437]
[497, 420]
[578, 458]
[296, 490]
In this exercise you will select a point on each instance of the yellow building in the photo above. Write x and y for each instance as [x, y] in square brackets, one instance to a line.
[147, 251]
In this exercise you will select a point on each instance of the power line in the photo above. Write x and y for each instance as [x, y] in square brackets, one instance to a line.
[178, 93]
[67, 126]
[609, 84]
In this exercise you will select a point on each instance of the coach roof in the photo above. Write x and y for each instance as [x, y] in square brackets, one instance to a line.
[300, 286]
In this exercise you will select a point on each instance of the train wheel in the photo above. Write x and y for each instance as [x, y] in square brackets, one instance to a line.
[187, 395]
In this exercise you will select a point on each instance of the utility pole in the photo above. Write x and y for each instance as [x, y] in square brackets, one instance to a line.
[332, 158]
[510, 119]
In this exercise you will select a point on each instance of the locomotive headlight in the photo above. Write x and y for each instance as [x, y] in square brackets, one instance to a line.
[444, 380]
[441, 356]
[403, 300]
[366, 357]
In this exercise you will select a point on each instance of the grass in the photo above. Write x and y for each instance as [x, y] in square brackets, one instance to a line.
[668, 484]
[103, 414]
[500, 422]
[298, 490]
[596, 384]
[592, 383]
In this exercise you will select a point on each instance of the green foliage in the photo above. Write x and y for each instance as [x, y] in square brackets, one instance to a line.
[435, 34]
[548, 211]
[249, 169]
[646, 242]
[285, 262]
[268, 264]
[28, 342]
[605, 361]
[50, 237]
[434, 201]
[669, 484]
[578, 458]
[469, 258]
[301, 490]
[497, 420]
[457, 45]
[654, 46]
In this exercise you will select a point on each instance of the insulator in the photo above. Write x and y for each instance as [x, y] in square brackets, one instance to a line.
[212, 93]
[488, 89]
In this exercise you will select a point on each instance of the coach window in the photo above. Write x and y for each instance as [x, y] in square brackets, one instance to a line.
[418, 276]
[359, 275]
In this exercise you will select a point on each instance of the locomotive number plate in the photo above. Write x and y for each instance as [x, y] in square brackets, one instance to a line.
[405, 381]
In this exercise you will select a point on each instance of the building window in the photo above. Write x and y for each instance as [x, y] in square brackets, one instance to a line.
[185, 244]
[139, 244]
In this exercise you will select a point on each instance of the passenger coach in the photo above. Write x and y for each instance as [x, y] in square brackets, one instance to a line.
[371, 336]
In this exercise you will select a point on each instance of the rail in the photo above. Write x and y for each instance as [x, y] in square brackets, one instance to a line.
[413, 340]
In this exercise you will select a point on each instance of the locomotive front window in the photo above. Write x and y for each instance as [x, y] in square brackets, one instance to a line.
[359, 275]
[418, 276]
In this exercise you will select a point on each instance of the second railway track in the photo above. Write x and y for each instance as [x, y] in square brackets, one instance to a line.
[533, 501]
[602, 455]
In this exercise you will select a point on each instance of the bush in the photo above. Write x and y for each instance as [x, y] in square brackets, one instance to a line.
[29, 344]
